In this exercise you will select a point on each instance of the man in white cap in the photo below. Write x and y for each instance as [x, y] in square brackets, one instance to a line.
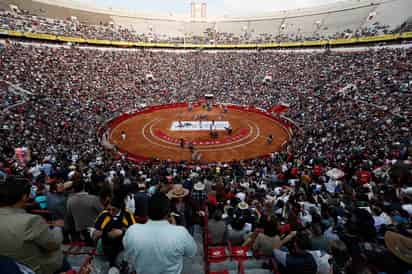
[199, 194]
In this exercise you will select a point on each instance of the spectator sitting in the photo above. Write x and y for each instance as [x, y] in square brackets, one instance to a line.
[318, 241]
[26, 238]
[340, 256]
[163, 253]
[113, 223]
[299, 259]
[269, 239]
[237, 230]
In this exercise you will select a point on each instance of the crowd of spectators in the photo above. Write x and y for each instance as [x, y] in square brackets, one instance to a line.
[23, 21]
[9, 97]
[342, 183]
[69, 27]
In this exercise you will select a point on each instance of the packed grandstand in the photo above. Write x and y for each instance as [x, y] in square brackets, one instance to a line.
[346, 19]
[336, 199]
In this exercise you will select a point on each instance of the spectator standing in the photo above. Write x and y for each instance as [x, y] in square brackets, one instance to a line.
[299, 260]
[81, 212]
[158, 247]
[141, 199]
[27, 238]
[182, 207]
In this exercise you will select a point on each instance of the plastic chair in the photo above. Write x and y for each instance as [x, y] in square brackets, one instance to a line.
[219, 260]
[248, 261]
[239, 254]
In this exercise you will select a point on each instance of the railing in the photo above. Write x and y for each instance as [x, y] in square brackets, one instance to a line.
[317, 43]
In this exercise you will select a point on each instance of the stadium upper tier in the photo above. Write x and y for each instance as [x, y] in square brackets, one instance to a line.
[346, 19]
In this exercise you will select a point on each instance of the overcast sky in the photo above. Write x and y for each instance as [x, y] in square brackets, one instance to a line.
[215, 7]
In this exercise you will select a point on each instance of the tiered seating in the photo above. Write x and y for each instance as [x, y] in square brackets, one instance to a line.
[337, 23]
[79, 255]
[265, 30]
[198, 28]
[7, 97]
[303, 27]
[58, 12]
[229, 32]
[166, 28]
[139, 25]
[343, 19]
[391, 13]
[225, 258]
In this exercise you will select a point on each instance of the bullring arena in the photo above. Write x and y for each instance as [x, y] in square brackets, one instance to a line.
[149, 133]
[267, 137]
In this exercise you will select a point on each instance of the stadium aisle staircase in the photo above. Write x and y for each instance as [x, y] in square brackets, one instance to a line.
[196, 264]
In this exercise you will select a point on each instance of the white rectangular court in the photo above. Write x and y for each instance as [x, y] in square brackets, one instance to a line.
[198, 125]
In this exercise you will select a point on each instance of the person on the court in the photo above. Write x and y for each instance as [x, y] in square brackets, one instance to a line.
[229, 130]
[182, 143]
[196, 156]
[191, 147]
[270, 139]
[123, 135]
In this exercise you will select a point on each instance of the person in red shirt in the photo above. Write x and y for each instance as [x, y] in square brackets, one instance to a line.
[317, 170]
[294, 172]
[364, 177]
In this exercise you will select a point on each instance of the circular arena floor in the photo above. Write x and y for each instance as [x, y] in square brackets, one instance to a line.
[149, 133]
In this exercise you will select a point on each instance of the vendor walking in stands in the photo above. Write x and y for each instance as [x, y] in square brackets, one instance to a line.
[113, 223]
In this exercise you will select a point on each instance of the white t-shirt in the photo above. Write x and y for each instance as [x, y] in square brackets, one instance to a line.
[407, 208]
[130, 204]
[241, 196]
[35, 171]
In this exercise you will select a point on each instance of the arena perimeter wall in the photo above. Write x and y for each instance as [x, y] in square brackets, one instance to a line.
[105, 130]
[319, 43]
